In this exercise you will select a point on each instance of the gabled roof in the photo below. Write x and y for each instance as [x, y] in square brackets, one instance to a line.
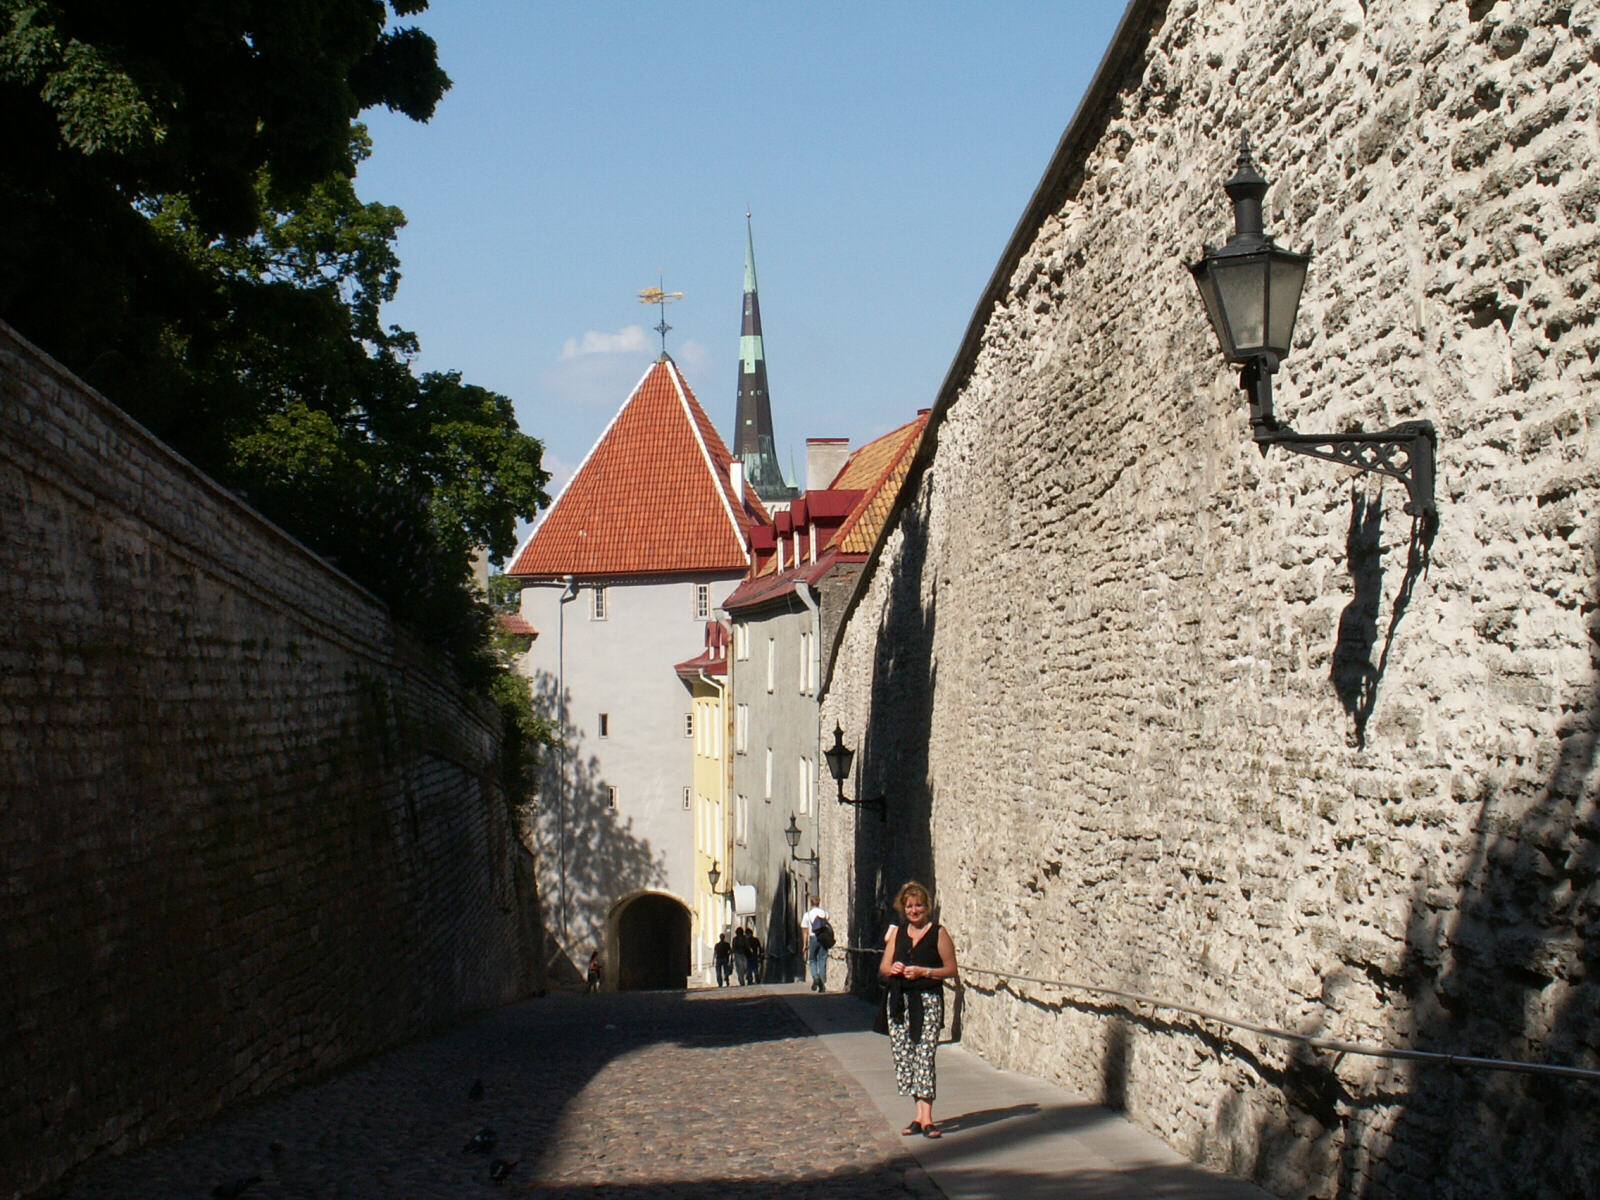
[869, 481]
[652, 497]
[712, 660]
[879, 468]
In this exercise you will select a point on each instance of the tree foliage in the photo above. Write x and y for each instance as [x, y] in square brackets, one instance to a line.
[181, 229]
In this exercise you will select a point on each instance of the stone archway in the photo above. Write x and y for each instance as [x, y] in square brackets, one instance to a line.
[652, 941]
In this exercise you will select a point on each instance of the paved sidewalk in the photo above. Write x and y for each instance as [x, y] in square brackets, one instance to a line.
[1009, 1135]
[758, 1093]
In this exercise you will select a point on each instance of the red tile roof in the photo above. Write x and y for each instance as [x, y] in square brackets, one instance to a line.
[862, 493]
[885, 462]
[651, 498]
[515, 623]
[713, 660]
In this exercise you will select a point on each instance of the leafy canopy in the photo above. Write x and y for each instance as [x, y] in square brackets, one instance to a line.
[181, 229]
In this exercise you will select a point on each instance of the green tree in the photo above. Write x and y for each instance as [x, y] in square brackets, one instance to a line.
[181, 228]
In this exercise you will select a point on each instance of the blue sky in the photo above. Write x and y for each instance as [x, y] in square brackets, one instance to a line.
[886, 151]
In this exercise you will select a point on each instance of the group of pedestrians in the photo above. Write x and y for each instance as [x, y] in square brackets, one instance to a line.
[739, 958]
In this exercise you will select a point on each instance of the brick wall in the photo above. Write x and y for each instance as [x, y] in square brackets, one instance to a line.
[1157, 712]
[248, 831]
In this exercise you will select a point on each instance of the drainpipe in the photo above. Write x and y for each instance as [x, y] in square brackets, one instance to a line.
[722, 782]
[803, 590]
[568, 594]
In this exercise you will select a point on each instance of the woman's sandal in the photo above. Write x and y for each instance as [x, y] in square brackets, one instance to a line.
[930, 1130]
[912, 1129]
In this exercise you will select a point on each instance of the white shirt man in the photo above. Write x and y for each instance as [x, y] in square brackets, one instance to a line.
[816, 952]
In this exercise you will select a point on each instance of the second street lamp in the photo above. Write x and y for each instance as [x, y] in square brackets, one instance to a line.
[792, 836]
[839, 758]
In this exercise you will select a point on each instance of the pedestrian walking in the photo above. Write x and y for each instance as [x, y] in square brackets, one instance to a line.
[722, 955]
[816, 934]
[741, 955]
[596, 970]
[918, 956]
[753, 943]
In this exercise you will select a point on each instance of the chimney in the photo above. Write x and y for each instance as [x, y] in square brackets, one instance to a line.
[736, 479]
[825, 458]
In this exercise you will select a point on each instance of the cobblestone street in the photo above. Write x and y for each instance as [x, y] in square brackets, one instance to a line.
[644, 1094]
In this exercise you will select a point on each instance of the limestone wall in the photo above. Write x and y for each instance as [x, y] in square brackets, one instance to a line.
[247, 831]
[1159, 713]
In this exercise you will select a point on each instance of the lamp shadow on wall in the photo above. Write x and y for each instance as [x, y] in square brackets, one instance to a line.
[1506, 963]
[1354, 676]
[603, 858]
[893, 755]
[1501, 960]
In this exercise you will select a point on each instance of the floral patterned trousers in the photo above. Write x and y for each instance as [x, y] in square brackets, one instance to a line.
[913, 1061]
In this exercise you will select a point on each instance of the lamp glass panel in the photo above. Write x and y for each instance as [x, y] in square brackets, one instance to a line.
[1288, 281]
[1242, 294]
[1208, 296]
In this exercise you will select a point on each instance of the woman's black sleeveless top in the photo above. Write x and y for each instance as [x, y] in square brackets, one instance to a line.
[924, 953]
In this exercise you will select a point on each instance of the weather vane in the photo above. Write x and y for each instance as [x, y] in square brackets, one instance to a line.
[654, 295]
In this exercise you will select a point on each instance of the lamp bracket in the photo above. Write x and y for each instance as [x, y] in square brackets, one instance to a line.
[875, 802]
[1405, 452]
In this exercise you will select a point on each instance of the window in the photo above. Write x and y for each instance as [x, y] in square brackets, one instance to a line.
[610, 794]
[807, 782]
[767, 795]
[772, 662]
[741, 642]
[741, 729]
[702, 601]
[605, 724]
[597, 611]
[805, 663]
[688, 724]
[688, 803]
[741, 822]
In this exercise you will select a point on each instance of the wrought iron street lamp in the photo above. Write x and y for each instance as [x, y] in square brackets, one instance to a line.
[714, 877]
[839, 758]
[1251, 290]
[792, 836]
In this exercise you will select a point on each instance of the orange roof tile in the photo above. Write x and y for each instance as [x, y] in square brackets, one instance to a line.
[652, 497]
[879, 468]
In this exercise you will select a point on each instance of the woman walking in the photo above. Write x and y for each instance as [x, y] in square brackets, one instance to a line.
[918, 956]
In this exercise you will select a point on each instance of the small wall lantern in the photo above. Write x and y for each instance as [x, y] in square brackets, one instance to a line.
[839, 758]
[714, 877]
[792, 836]
[1251, 291]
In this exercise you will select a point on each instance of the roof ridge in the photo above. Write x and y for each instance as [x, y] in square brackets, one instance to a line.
[685, 398]
[584, 462]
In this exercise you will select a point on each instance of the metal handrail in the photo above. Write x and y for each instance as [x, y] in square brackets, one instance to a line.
[1301, 1039]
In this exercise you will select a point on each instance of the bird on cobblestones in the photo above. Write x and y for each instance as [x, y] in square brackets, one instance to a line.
[475, 1092]
[481, 1142]
[235, 1188]
[500, 1168]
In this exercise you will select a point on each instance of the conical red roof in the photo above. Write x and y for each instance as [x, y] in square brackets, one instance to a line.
[652, 497]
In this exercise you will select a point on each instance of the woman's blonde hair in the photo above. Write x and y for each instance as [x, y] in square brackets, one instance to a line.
[909, 889]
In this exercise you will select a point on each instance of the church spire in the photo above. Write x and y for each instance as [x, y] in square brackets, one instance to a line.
[752, 435]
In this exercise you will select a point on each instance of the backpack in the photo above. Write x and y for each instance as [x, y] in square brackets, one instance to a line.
[823, 932]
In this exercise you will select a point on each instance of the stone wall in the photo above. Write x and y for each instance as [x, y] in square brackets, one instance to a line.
[1158, 713]
[248, 831]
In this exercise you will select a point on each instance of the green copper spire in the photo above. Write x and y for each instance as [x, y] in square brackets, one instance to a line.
[752, 434]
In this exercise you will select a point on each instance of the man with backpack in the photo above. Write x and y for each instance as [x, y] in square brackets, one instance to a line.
[818, 937]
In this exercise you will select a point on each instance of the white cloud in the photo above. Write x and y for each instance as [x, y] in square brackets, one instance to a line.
[628, 340]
